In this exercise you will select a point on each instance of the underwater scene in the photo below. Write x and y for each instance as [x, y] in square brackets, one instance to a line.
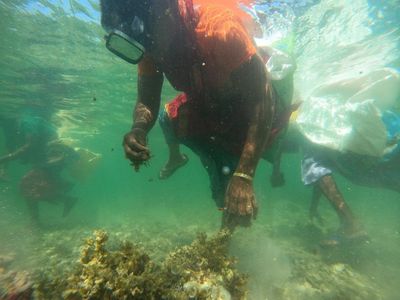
[196, 149]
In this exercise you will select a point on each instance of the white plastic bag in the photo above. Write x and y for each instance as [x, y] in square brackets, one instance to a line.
[346, 115]
[279, 64]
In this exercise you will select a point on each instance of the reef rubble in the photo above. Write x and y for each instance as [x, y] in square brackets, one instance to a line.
[201, 270]
[13, 284]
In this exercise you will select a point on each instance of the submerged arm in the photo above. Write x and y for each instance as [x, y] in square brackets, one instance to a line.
[256, 92]
[144, 117]
[148, 103]
[16, 154]
[251, 79]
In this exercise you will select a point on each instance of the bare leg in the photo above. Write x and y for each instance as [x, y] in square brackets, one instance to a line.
[175, 161]
[331, 192]
[316, 197]
[277, 178]
[175, 155]
[33, 207]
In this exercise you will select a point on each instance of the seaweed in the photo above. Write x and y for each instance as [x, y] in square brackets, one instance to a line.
[201, 270]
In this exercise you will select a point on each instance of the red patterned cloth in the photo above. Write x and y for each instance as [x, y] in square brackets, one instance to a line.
[172, 107]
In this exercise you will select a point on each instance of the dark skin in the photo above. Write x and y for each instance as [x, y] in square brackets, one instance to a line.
[277, 179]
[12, 156]
[250, 81]
[17, 153]
[26, 148]
[34, 183]
[326, 186]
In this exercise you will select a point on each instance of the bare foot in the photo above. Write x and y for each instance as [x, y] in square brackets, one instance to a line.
[348, 236]
[172, 165]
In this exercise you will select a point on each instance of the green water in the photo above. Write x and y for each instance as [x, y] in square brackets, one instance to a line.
[53, 56]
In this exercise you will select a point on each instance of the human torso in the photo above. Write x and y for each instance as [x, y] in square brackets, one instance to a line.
[201, 65]
[38, 132]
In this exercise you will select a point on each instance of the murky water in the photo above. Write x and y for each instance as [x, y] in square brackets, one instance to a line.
[54, 66]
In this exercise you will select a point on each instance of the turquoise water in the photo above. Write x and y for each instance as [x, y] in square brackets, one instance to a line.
[53, 60]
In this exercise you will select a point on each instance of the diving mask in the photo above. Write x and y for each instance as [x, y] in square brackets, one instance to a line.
[128, 41]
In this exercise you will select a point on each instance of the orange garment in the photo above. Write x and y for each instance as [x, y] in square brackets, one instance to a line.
[222, 46]
[222, 41]
[235, 6]
[230, 4]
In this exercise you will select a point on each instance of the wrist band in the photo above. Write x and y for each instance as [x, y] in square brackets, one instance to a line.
[243, 175]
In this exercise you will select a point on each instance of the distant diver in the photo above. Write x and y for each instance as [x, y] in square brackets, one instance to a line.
[35, 142]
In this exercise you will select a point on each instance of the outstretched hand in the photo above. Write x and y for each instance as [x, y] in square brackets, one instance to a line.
[135, 147]
[240, 203]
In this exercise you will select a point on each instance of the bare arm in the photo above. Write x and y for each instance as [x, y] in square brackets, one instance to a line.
[16, 154]
[255, 91]
[148, 103]
[251, 79]
[144, 118]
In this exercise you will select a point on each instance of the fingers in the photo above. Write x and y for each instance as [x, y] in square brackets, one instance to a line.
[248, 206]
[135, 155]
[240, 203]
[131, 141]
[230, 222]
[135, 151]
[245, 208]
[138, 147]
[242, 207]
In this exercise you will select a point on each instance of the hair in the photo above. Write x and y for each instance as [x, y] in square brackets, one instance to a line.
[117, 11]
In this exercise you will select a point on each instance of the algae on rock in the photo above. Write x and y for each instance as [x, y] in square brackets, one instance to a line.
[201, 270]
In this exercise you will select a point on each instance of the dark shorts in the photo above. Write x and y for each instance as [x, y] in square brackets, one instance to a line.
[215, 160]
[218, 141]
